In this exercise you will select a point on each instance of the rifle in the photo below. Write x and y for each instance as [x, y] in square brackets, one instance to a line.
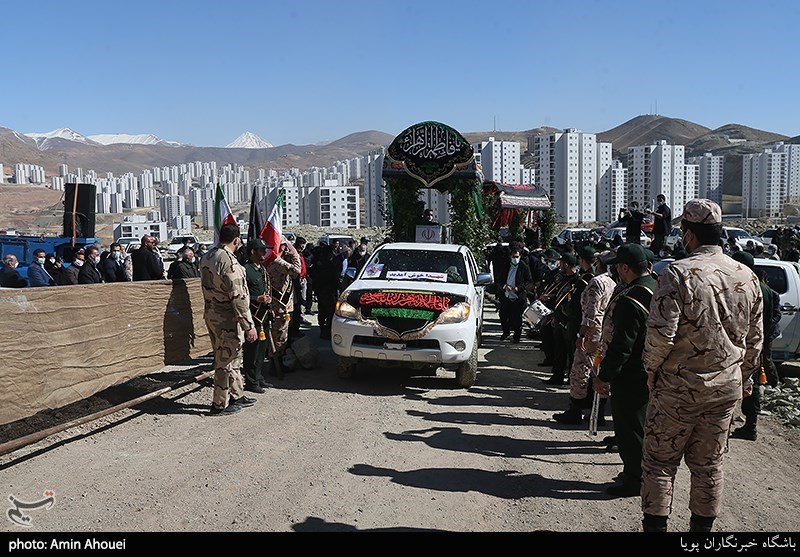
[595, 402]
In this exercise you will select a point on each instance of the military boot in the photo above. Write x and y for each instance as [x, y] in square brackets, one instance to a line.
[699, 523]
[747, 431]
[571, 416]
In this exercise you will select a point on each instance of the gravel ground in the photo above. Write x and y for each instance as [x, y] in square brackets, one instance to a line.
[383, 451]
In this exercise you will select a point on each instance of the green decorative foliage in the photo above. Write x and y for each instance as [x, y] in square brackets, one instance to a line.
[547, 223]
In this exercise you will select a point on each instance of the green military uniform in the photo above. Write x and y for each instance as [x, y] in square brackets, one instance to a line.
[227, 316]
[563, 343]
[622, 365]
[255, 352]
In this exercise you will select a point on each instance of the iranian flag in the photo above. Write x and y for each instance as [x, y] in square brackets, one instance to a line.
[222, 213]
[272, 233]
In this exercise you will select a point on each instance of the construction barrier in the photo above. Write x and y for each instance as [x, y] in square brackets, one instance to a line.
[66, 343]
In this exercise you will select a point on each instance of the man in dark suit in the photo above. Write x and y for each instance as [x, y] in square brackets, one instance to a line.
[146, 264]
[37, 275]
[9, 276]
[89, 273]
[113, 267]
[662, 224]
[513, 294]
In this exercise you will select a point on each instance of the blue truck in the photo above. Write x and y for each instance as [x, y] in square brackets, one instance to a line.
[24, 246]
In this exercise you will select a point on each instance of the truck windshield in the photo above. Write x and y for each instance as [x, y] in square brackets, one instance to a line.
[416, 265]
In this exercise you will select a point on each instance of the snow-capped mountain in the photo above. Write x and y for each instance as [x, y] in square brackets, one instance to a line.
[133, 139]
[42, 139]
[249, 140]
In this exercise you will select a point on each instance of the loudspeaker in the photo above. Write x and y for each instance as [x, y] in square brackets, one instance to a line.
[81, 199]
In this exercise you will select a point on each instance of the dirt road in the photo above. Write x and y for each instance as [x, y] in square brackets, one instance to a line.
[381, 451]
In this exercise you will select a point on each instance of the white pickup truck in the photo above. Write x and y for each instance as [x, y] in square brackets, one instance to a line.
[784, 278]
[414, 305]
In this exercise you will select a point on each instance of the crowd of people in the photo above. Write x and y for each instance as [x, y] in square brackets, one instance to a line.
[674, 352]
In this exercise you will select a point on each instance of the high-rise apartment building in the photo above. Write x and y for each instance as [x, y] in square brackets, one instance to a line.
[499, 160]
[567, 166]
[770, 179]
[711, 175]
[172, 206]
[654, 169]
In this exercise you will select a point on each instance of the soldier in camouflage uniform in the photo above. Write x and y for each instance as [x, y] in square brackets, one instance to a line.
[281, 271]
[704, 338]
[594, 300]
[228, 319]
[622, 368]
[574, 310]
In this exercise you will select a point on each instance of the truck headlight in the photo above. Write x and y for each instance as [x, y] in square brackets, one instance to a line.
[456, 314]
[345, 310]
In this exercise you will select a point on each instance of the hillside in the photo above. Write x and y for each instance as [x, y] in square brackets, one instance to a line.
[732, 135]
[522, 136]
[646, 129]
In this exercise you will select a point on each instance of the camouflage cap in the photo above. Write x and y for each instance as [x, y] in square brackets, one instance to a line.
[606, 256]
[628, 254]
[745, 258]
[702, 211]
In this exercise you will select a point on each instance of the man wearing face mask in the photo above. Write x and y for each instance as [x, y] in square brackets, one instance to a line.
[90, 273]
[185, 267]
[513, 297]
[113, 266]
[704, 339]
[228, 319]
[259, 288]
[70, 275]
[662, 225]
[37, 274]
[546, 291]
[9, 276]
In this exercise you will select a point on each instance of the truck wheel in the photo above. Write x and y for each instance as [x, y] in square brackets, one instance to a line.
[345, 367]
[467, 371]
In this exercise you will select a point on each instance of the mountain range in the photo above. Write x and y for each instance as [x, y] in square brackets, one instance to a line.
[121, 153]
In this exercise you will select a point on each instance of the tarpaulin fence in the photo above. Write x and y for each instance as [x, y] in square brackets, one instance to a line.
[64, 344]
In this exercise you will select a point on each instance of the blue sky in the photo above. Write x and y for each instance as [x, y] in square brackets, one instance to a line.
[303, 71]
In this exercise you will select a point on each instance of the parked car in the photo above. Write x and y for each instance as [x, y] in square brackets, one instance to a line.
[414, 305]
[343, 239]
[644, 239]
[177, 242]
[768, 236]
[672, 238]
[741, 235]
[573, 235]
[784, 278]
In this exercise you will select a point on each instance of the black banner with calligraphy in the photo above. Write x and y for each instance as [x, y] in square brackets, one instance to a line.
[430, 152]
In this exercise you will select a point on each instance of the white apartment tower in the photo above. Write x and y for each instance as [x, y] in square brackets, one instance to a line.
[711, 175]
[691, 179]
[499, 160]
[655, 169]
[172, 206]
[770, 179]
[568, 165]
[338, 205]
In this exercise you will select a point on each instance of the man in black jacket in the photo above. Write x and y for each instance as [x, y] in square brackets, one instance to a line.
[89, 273]
[662, 225]
[112, 267]
[9, 276]
[513, 294]
[184, 267]
[632, 219]
[146, 264]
